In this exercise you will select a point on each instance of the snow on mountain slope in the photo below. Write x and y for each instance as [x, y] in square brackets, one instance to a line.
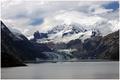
[107, 26]
[65, 33]
[85, 20]
[74, 25]
[14, 33]
[68, 18]
[115, 25]
[80, 35]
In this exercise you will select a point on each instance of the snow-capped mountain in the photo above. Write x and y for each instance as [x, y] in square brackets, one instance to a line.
[73, 25]
[64, 30]
[67, 32]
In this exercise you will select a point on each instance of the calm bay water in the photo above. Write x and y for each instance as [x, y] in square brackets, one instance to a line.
[64, 70]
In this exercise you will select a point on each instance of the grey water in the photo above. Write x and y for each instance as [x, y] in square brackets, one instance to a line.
[63, 70]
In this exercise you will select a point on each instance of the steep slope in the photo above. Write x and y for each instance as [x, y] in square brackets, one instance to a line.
[23, 48]
[8, 53]
[111, 42]
[98, 47]
[26, 50]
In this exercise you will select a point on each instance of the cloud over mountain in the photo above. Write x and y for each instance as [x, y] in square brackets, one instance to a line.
[29, 16]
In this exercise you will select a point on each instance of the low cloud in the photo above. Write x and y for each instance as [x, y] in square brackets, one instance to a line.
[29, 16]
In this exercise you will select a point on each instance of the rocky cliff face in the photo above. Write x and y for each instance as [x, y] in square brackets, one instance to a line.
[111, 43]
[98, 47]
[38, 35]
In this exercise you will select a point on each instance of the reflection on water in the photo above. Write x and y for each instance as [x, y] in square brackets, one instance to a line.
[65, 70]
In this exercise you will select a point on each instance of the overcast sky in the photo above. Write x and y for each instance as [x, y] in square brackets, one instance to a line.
[27, 16]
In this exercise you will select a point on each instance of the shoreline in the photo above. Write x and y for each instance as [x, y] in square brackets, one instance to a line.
[56, 61]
